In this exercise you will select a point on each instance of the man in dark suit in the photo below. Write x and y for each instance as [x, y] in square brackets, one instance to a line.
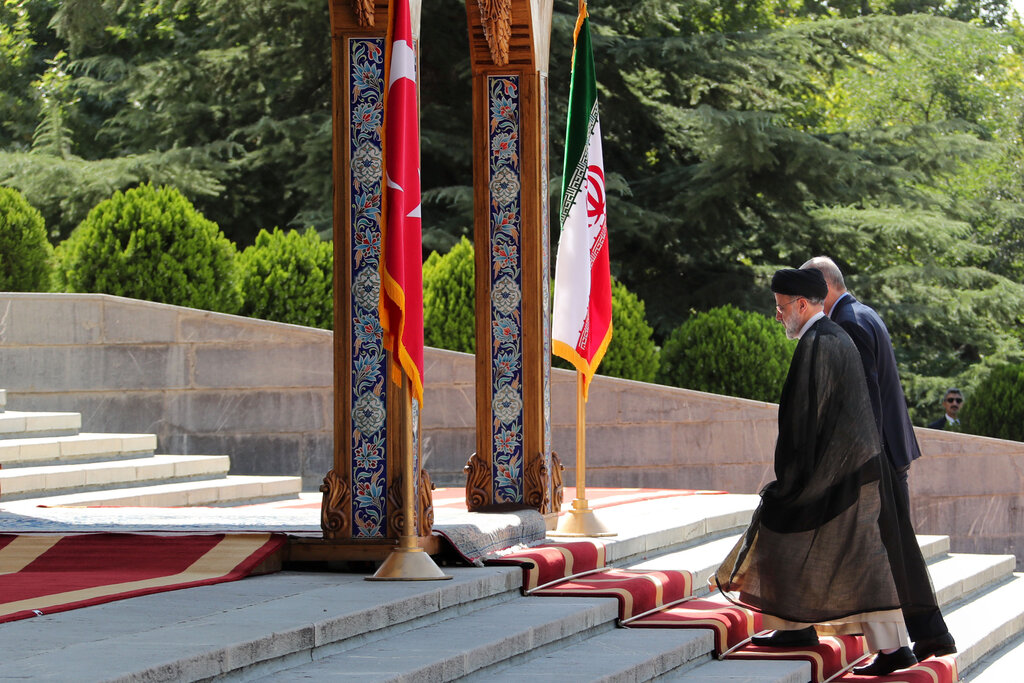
[951, 402]
[924, 622]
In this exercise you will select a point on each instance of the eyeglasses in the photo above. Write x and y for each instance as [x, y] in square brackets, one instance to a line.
[779, 307]
[954, 399]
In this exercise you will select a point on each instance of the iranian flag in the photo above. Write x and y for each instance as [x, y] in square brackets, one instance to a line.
[582, 320]
[401, 306]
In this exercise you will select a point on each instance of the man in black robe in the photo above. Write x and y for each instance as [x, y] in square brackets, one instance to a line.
[813, 558]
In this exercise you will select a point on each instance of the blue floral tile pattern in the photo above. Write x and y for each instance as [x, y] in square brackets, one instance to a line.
[506, 289]
[369, 370]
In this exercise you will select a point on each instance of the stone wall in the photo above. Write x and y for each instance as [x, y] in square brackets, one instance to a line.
[261, 392]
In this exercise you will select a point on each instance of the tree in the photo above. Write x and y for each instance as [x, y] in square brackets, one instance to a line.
[150, 243]
[25, 253]
[728, 351]
[449, 316]
[288, 276]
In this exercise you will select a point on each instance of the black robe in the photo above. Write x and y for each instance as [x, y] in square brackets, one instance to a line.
[814, 549]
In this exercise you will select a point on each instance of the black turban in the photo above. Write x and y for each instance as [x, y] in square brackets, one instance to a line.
[808, 283]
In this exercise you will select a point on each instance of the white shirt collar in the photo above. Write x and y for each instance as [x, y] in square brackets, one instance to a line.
[836, 302]
[807, 325]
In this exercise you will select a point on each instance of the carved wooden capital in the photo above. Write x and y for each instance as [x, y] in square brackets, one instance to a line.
[364, 12]
[336, 509]
[478, 482]
[496, 17]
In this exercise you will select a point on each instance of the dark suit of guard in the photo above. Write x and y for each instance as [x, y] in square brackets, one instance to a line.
[870, 336]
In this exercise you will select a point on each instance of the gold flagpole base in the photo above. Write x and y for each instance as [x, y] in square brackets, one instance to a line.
[581, 521]
[408, 564]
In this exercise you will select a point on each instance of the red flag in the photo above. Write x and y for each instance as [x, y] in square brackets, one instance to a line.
[401, 308]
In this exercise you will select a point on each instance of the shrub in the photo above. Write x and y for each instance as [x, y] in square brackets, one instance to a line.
[150, 243]
[289, 277]
[25, 253]
[996, 406]
[728, 351]
[632, 353]
[449, 317]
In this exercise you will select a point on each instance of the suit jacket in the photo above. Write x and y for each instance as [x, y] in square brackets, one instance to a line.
[871, 337]
[938, 424]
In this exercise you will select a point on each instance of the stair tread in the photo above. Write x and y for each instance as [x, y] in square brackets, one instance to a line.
[69, 448]
[985, 622]
[42, 479]
[745, 671]
[181, 494]
[460, 646]
[19, 422]
[1001, 666]
[958, 574]
[619, 654]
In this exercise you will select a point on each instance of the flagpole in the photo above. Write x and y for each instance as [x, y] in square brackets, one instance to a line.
[581, 520]
[408, 561]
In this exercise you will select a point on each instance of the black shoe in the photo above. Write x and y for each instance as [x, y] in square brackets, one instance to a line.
[885, 664]
[937, 646]
[801, 637]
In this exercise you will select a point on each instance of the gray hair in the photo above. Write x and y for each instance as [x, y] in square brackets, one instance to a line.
[829, 269]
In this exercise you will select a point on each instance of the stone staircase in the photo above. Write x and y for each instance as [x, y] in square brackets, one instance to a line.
[505, 636]
[47, 460]
[306, 625]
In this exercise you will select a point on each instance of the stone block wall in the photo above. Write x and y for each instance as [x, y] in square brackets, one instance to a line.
[261, 392]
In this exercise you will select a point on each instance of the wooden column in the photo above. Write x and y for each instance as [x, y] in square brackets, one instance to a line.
[513, 463]
[361, 511]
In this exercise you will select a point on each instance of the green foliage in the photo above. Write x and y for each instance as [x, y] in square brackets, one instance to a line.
[150, 243]
[632, 353]
[25, 253]
[448, 299]
[728, 351]
[288, 277]
[996, 405]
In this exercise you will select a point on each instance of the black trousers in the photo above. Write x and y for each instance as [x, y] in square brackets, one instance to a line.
[917, 596]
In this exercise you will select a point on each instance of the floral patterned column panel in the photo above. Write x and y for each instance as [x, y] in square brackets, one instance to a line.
[506, 286]
[369, 364]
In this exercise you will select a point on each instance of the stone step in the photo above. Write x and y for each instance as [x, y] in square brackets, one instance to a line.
[1005, 664]
[986, 622]
[16, 424]
[957, 576]
[616, 655]
[744, 671]
[80, 448]
[704, 558]
[48, 481]
[245, 629]
[3, 400]
[467, 644]
[230, 490]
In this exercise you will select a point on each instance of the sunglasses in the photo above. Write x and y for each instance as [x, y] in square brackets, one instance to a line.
[954, 400]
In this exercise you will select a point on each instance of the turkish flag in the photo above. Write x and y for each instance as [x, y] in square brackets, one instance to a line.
[401, 309]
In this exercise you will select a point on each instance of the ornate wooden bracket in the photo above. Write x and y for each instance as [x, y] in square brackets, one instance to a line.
[335, 511]
[478, 482]
[496, 16]
[557, 492]
[425, 509]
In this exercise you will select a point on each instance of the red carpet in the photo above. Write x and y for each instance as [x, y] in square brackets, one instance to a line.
[731, 624]
[544, 564]
[830, 656]
[637, 591]
[53, 573]
[933, 670]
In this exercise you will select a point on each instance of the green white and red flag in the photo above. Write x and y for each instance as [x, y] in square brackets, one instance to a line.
[582, 319]
[401, 306]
